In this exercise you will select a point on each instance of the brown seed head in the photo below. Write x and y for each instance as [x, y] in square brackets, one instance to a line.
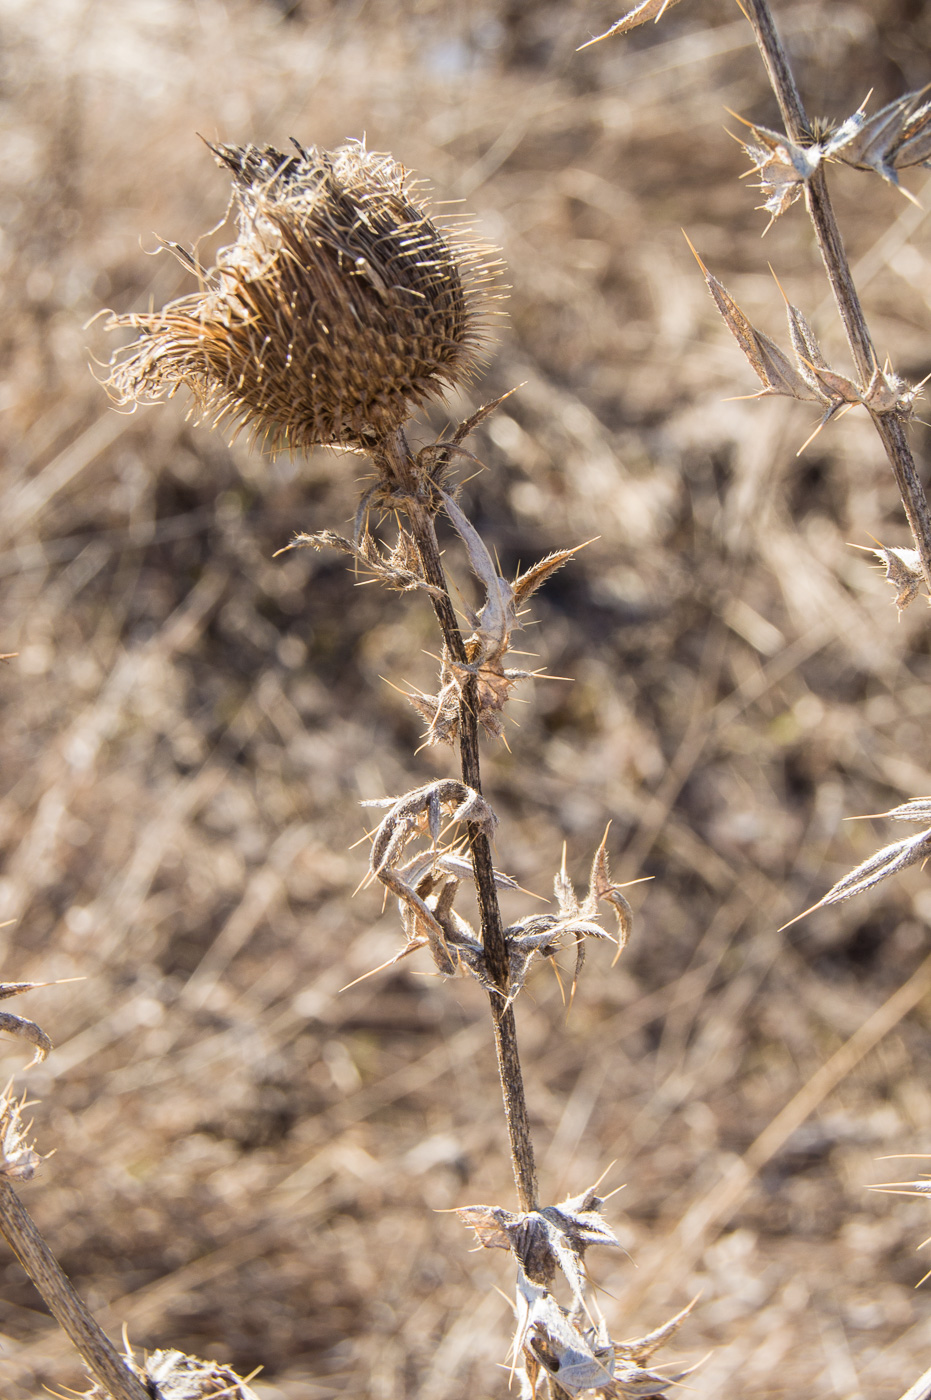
[339, 309]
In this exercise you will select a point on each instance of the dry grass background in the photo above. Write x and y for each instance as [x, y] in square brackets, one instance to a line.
[249, 1165]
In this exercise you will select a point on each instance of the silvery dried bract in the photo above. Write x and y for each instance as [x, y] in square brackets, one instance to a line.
[426, 884]
[545, 1240]
[18, 1158]
[896, 137]
[543, 935]
[914, 850]
[561, 1358]
[771, 365]
[641, 14]
[903, 571]
[782, 165]
[172, 1375]
[493, 624]
[19, 1026]
[893, 139]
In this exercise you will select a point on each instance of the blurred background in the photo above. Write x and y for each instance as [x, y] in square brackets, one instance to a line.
[248, 1164]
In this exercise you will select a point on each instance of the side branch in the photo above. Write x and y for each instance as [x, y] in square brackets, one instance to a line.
[889, 426]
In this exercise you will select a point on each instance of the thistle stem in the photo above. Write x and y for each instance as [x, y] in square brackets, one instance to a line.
[101, 1358]
[493, 940]
[890, 426]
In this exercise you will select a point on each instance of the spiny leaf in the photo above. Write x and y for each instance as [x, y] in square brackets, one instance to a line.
[640, 14]
[889, 861]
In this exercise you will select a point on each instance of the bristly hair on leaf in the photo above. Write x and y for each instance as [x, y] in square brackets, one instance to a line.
[640, 14]
[341, 307]
[914, 850]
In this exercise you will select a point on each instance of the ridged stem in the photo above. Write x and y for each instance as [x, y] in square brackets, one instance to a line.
[423, 529]
[68, 1309]
[890, 426]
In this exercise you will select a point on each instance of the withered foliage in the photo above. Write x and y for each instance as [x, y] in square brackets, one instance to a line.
[811, 378]
[341, 306]
[493, 624]
[903, 571]
[913, 850]
[171, 1375]
[562, 1351]
[19, 1026]
[640, 14]
[426, 884]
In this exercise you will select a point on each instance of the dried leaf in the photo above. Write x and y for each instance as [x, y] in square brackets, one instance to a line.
[903, 571]
[808, 353]
[399, 569]
[641, 14]
[894, 138]
[19, 1160]
[527, 583]
[771, 365]
[889, 861]
[918, 810]
[550, 1340]
[547, 1239]
[27, 1030]
[495, 619]
[489, 1223]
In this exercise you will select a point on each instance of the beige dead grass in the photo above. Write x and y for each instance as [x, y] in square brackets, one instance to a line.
[189, 725]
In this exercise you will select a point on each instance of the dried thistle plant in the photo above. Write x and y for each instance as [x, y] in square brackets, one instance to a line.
[339, 310]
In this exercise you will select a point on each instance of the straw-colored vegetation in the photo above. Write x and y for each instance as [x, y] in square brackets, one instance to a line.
[251, 1165]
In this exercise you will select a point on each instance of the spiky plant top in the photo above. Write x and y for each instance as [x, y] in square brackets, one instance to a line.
[339, 309]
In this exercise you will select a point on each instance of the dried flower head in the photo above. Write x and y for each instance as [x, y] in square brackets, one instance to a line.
[340, 308]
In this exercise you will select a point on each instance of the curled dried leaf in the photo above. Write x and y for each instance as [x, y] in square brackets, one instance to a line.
[493, 624]
[548, 1239]
[783, 167]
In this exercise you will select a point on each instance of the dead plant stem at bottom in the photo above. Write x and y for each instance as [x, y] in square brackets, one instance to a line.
[100, 1357]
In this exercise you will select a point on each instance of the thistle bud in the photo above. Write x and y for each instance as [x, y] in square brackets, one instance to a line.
[340, 308]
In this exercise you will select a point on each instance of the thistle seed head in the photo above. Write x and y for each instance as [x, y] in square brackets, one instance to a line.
[340, 308]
